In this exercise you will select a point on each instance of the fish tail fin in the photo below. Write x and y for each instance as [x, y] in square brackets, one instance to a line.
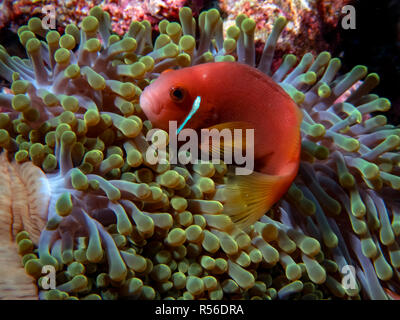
[247, 198]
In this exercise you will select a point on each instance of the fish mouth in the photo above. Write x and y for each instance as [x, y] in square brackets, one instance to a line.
[149, 106]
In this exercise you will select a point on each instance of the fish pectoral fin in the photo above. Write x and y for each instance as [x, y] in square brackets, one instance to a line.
[243, 125]
[218, 144]
[247, 198]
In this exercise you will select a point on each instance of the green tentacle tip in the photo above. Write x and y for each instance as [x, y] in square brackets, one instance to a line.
[102, 280]
[25, 36]
[317, 130]
[248, 25]
[93, 45]
[50, 139]
[92, 296]
[90, 24]
[171, 50]
[96, 81]
[62, 56]
[130, 128]
[55, 294]
[21, 156]
[4, 120]
[27, 257]
[128, 44]
[94, 185]
[161, 272]
[68, 138]
[35, 24]
[77, 284]
[94, 251]
[187, 43]
[64, 204]
[80, 256]
[112, 162]
[52, 37]
[310, 77]
[4, 138]
[94, 157]
[350, 144]
[73, 71]
[21, 102]
[21, 236]
[370, 170]
[49, 163]
[318, 151]
[75, 268]
[347, 180]
[97, 12]
[280, 22]
[25, 246]
[50, 99]
[20, 86]
[53, 223]
[32, 45]
[67, 41]
[79, 180]
[324, 91]
[33, 267]
[36, 152]
[92, 117]
[69, 118]
[310, 246]
[73, 31]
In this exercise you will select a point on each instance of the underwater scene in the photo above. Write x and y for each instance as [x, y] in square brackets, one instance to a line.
[199, 150]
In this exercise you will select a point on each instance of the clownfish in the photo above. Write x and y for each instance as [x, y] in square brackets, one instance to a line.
[235, 96]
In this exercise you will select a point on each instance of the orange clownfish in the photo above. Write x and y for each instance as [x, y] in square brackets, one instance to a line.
[235, 95]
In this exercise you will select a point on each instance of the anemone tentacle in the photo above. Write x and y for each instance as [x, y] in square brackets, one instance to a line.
[113, 225]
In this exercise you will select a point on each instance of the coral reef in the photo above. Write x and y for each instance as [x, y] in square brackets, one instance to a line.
[311, 28]
[118, 227]
[74, 11]
[308, 22]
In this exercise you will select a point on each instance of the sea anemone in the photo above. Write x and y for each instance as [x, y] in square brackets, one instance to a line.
[80, 195]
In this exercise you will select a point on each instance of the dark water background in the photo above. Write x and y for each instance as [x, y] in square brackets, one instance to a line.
[375, 43]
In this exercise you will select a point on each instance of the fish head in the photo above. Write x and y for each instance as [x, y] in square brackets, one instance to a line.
[168, 98]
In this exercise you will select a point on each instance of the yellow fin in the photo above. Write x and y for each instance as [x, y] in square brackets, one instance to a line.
[243, 125]
[218, 145]
[247, 198]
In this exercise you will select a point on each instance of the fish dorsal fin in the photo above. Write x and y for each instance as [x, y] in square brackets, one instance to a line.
[218, 145]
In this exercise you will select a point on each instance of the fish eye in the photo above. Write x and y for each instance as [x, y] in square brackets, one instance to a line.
[177, 94]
